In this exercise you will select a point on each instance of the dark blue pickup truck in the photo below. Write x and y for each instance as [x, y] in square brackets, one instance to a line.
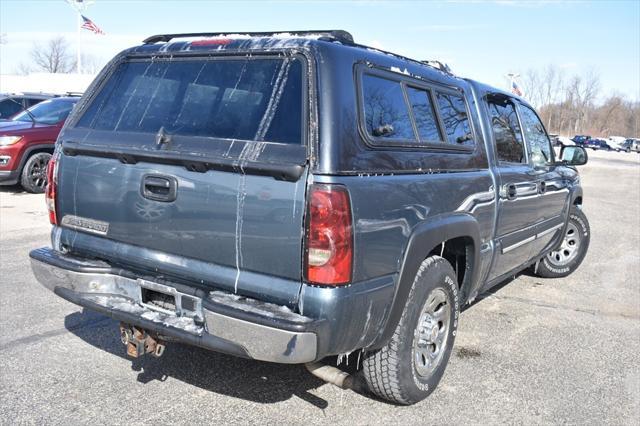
[290, 197]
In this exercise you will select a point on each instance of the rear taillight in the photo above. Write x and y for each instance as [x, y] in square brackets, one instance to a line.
[51, 190]
[329, 236]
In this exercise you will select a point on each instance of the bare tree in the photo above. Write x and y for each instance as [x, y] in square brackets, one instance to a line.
[608, 117]
[53, 57]
[90, 64]
[532, 86]
[23, 69]
[552, 91]
[543, 88]
[572, 105]
[581, 94]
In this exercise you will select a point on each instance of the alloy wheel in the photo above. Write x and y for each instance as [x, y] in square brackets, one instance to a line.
[38, 172]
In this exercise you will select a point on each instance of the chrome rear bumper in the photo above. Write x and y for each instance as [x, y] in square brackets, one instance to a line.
[218, 321]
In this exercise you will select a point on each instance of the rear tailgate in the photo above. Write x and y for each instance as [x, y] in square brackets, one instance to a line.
[194, 168]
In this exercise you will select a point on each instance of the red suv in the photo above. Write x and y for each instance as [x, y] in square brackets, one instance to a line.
[27, 141]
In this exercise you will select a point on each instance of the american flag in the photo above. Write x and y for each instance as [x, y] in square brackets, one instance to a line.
[90, 25]
[515, 89]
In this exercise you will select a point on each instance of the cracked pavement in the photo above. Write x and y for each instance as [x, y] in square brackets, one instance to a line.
[532, 351]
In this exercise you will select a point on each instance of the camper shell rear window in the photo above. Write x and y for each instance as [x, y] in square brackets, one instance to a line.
[244, 98]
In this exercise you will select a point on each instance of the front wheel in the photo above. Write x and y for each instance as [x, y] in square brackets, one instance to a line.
[412, 363]
[575, 243]
[34, 173]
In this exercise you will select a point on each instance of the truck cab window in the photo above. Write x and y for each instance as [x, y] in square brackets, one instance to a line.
[506, 131]
[536, 137]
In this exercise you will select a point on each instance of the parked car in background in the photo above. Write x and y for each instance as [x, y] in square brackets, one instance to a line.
[631, 144]
[596, 144]
[580, 139]
[13, 103]
[615, 142]
[402, 202]
[27, 141]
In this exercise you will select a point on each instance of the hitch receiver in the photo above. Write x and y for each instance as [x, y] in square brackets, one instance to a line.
[140, 342]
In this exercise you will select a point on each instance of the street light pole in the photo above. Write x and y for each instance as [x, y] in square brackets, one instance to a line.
[512, 77]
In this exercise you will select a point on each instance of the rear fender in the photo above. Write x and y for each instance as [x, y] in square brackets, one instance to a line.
[424, 238]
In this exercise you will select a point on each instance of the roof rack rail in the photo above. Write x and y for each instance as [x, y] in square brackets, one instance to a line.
[336, 35]
[438, 64]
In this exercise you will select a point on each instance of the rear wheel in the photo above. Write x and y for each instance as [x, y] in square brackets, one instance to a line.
[34, 173]
[411, 365]
[575, 243]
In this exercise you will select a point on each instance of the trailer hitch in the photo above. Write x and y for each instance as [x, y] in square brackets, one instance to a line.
[140, 342]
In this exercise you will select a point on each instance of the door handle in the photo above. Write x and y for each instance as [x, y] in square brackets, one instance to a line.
[159, 188]
[510, 191]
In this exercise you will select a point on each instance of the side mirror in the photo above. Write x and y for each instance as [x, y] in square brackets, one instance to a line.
[573, 155]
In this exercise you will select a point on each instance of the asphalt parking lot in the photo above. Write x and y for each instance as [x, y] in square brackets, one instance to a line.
[534, 351]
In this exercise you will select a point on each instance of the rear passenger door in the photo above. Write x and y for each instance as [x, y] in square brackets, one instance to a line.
[518, 188]
[553, 192]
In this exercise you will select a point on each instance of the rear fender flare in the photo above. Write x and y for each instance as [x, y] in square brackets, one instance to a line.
[424, 238]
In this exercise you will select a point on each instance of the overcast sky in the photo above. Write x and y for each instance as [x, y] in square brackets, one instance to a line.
[483, 40]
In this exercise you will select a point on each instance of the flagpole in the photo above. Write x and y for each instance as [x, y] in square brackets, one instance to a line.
[79, 6]
[78, 47]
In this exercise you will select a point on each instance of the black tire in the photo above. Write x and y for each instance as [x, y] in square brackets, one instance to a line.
[34, 173]
[392, 373]
[553, 266]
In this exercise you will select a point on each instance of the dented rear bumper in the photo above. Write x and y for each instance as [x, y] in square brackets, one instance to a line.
[217, 321]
